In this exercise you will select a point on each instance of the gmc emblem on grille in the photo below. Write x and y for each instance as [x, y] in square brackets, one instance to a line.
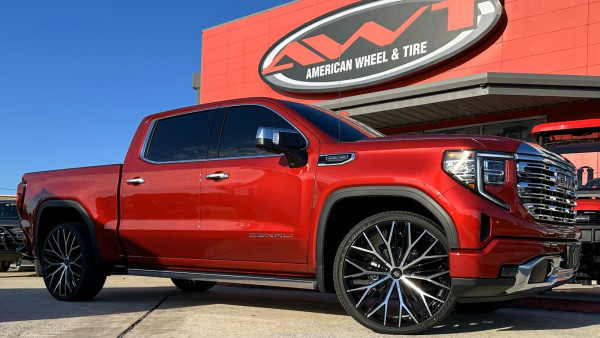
[565, 182]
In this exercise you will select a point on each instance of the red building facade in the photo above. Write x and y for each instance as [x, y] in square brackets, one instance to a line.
[540, 62]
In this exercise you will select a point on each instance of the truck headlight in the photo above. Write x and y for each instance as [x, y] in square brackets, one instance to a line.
[478, 169]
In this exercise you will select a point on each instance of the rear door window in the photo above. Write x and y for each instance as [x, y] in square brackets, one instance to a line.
[180, 138]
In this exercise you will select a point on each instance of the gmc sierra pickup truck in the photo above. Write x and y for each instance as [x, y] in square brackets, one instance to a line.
[268, 192]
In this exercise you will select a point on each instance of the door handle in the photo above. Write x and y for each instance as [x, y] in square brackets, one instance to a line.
[217, 176]
[136, 181]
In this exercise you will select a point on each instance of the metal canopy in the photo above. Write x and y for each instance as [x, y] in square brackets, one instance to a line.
[467, 96]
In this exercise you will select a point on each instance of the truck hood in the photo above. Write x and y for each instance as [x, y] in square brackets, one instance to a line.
[490, 143]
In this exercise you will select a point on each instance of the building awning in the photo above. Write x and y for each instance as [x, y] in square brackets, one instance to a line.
[467, 96]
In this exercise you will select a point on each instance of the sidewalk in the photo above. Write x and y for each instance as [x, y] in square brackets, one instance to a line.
[568, 297]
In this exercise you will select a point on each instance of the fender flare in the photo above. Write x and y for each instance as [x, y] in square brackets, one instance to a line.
[441, 216]
[84, 215]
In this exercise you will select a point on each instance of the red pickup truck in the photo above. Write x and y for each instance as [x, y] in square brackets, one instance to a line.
[269, 192]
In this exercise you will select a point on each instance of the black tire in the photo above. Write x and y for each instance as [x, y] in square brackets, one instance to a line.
[368, 282]
[187, 285]
[38, 268]
[486, 307]
[68, 264]
[4, 266]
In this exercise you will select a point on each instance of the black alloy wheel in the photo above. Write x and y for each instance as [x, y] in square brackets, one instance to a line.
[392, 274]
[68, 266]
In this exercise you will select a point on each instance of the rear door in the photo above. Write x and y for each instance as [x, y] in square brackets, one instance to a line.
[253, 206]
[160, 191]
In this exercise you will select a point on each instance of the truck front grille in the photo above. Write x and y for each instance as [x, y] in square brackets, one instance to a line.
[546, 186]
[588, 218]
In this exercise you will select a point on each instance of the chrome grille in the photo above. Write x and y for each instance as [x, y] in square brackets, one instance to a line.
[546, 185]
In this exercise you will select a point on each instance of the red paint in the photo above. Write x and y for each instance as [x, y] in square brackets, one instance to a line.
[540, 36]
[460, 13]
[178, 219]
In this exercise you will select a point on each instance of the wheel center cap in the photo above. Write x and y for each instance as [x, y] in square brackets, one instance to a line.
[396, 273]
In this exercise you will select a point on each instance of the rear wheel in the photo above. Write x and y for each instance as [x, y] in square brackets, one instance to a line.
[392, 274]
[68, 265]
[192, 285]
[4, 266]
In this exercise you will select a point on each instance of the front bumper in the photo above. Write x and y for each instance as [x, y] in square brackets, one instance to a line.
[535, 276]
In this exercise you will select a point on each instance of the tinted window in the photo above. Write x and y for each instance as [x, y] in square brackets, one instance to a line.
[180, 138]
[8, 210]
[239, 130]
[343, 129]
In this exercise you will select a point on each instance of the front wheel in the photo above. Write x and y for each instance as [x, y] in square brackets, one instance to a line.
[68, 266]
[392, 275]
[4, 266]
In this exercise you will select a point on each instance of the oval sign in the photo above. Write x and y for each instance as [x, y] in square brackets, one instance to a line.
[374, 42]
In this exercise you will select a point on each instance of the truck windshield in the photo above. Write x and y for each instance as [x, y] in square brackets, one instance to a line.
[339, 127]
[8, 210]
[582, 147]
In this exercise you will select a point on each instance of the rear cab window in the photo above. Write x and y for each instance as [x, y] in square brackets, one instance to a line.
[180, 138]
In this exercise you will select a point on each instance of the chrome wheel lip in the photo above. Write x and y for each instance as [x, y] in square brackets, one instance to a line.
[400, 277]
[62, 262]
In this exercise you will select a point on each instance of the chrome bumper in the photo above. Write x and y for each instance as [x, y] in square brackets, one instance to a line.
[554, 274]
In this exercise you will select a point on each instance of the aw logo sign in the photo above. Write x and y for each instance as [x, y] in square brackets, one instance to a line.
[373, 42]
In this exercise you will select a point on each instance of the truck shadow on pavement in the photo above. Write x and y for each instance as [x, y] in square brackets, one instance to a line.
[20, 304]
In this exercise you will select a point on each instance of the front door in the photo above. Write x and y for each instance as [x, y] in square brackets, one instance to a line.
[254, 207]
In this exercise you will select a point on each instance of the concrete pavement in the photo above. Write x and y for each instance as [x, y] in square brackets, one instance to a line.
[568, 297]
[132, 306]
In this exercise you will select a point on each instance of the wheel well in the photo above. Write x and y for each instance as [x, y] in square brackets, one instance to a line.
[50, 218]
[348, 212]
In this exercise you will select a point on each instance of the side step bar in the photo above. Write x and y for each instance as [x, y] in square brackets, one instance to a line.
[286, 282]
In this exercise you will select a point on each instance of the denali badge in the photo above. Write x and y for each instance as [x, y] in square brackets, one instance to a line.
[275, 235]
[372, 42]
[335, 159]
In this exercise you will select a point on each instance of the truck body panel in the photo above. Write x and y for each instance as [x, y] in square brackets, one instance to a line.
[266, 192]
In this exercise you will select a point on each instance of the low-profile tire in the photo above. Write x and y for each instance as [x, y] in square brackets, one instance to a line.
[37, 267]
[486, 307]
[68, 264]
[392, 274]
[188, 285]
[4, 266]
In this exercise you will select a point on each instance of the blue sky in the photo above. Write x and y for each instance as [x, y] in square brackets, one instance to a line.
[76, 77]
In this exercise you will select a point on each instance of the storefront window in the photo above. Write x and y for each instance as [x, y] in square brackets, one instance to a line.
[472, 130]
[520, 130]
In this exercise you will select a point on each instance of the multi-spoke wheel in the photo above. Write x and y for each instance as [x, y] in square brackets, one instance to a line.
[391, 273]
[68, 265]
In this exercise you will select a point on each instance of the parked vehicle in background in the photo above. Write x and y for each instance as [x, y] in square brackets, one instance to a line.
[579, 141]
[270, 192]
[11, 235]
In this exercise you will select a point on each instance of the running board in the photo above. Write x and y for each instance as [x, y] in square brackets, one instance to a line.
[286, 282]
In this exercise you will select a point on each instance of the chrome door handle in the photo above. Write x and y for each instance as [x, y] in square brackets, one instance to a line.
[217, 176]
[136, 181]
